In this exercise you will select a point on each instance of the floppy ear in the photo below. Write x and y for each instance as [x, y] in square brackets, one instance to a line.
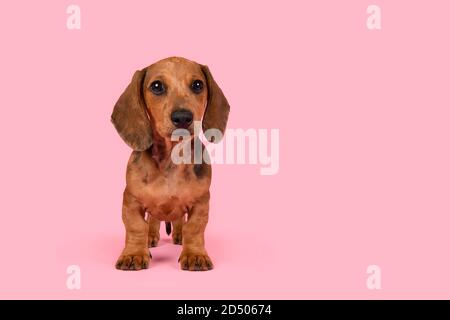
[217, 109]
[130, 117]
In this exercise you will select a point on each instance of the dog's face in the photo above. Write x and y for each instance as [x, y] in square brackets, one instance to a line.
[170, 94]
[175, 95]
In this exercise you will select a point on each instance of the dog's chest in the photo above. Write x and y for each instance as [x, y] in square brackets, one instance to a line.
[168, 196]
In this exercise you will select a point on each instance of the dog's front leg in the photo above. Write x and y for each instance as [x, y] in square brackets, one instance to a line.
[153, 231]
[177, 233]
[194, 256]
[135, 256]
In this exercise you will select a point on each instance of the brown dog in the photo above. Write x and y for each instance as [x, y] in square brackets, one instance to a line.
[169, 94]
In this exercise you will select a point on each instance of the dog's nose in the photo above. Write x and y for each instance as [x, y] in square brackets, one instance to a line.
[181, 118]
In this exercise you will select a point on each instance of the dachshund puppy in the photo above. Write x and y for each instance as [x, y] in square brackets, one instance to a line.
[170, 94]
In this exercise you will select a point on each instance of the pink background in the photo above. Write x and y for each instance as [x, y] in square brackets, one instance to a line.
[364, 151]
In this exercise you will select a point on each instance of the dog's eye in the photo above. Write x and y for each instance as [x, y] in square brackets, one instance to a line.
[197, 86]
[157, 87]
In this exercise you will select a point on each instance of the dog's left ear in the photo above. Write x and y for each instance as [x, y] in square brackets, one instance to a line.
[217, 109]
[130, 116]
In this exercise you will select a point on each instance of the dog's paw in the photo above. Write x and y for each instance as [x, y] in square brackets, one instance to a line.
[195, 262]
[153, 240]
[177, 238]
[133, 262]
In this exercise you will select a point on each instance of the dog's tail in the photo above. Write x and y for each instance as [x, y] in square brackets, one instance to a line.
[168, 228]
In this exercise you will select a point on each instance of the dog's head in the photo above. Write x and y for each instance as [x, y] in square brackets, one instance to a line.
[170, 94]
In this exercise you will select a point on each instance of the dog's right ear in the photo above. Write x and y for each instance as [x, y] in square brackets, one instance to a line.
[130, 116]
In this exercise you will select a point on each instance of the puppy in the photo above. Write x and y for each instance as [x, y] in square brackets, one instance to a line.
[170, 94]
